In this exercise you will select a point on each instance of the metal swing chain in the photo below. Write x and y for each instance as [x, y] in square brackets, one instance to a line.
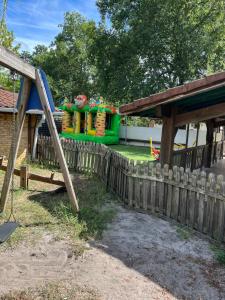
[13, 129]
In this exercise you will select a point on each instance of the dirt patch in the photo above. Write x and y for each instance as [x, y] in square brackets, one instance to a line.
[139, 257]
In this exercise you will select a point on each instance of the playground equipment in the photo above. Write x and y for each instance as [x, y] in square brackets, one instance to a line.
[90, 121]
[154, 153]
[35, 94]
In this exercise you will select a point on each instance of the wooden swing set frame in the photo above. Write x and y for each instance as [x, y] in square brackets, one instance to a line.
[11, 61]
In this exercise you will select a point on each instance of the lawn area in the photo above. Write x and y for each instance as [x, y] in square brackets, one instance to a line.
[133, 152]
[44, 209]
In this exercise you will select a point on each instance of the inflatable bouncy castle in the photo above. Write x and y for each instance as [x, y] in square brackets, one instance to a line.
[90, 120]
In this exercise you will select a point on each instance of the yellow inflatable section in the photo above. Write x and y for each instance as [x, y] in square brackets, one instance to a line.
[77, 122]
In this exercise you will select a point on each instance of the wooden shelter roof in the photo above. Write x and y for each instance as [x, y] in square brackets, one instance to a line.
[189, 97]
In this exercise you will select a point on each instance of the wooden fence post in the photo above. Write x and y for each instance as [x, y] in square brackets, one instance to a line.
[24, 177]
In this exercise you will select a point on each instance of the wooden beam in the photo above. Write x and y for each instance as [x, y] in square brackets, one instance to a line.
[219, 123]
[35, 177]
[58, 148]
[15, 142]
[11, 61]
[199, 115]
[50, 179]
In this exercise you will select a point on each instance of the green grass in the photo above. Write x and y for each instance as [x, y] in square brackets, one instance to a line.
[42, 209]
[219, 253]
[133, 152]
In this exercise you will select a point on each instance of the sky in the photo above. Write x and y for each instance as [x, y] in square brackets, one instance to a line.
[36, 21]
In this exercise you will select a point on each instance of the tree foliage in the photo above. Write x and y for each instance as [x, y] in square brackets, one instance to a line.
[6, 40]
[140, 47]
[162, 43]
[66, 60]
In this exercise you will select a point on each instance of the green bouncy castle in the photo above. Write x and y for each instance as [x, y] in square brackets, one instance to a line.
[90, 121]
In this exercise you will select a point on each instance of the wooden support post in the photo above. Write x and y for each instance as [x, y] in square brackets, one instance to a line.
[15, 142]
[197, 135]
[24, 177]
[187, 135]
[209, 142]
[56, 140]
[184, 156]
[195, 150]
[167, 140]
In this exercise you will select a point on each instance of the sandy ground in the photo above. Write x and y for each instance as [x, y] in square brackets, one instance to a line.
[140, 257]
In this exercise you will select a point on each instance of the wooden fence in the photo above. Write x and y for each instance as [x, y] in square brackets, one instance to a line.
[191, 198]
[196, 157]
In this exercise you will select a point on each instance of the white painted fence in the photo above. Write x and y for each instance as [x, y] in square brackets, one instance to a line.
[141, 135]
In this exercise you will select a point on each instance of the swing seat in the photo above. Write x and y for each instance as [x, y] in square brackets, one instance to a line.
[6, 229]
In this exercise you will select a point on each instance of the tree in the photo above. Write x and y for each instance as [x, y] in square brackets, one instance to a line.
[150, 45]
[66, 60]
[155, 44]
[7, 40]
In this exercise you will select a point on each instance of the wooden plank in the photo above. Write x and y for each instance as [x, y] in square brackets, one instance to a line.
[183, 206]
[210, 216]
[169, 194]
[56, 140]
[176, 194]
[158, 187]
[199, 115]
[169, 200]
[146, 187]
[221, 220]
[205, 214]
[175, 202]
[125, 183]
[15, 172]
[15, 144]
[200, 212]
[138, 186]
[31, 176]
[201, 208]
[161, 188]
[131, 184]
[153, 190]
[50, 180]
[11, 61]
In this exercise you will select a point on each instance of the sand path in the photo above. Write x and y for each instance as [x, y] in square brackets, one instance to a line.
[139, 257]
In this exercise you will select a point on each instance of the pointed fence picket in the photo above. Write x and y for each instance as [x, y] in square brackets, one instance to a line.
[194, 199]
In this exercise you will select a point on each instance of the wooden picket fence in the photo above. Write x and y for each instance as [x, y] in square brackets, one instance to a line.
[196, 157]
[193, 198]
